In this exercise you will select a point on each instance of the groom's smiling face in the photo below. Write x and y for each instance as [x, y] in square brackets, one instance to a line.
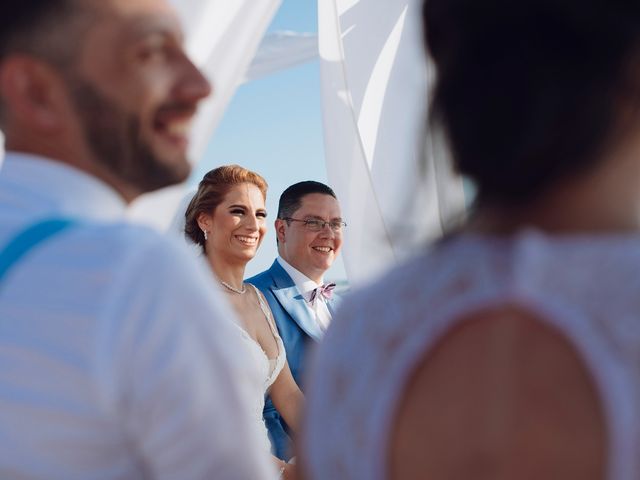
[312, 253]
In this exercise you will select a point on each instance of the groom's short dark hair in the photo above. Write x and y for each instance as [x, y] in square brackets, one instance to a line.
[291, 198]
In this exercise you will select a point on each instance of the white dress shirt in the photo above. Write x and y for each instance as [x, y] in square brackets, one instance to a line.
[118, 359]
[319, 310]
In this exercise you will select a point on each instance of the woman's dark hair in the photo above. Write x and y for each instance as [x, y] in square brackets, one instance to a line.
[211, 192]
[529, 92]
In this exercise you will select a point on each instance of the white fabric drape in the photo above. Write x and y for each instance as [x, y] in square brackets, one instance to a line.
[222, 38]
[282, 50]
[374, 86]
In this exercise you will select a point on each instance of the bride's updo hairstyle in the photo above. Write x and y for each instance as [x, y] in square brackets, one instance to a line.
[530, 92]
[212, 189]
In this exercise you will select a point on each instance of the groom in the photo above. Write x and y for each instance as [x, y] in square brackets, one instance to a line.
[309, 232]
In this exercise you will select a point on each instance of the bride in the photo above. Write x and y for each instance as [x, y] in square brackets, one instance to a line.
[227, 218]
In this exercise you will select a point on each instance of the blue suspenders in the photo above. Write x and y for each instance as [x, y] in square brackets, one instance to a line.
[28, 239]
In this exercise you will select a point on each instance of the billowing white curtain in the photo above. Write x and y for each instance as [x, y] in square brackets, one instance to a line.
[222, 38]
[393, 177]
[282, 50]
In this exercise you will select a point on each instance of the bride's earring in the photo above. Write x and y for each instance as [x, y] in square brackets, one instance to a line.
[206, 237]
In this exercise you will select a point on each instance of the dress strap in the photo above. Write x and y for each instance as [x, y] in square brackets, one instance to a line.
[266, 310]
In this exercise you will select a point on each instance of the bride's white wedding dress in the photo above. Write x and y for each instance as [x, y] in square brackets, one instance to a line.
[269, 368]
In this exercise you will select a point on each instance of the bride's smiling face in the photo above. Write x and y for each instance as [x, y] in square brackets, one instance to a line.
[238, 224]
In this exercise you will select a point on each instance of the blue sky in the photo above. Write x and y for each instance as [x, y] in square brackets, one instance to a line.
[274, 126]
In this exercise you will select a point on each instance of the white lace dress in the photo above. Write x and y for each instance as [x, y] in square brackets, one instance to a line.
[269, 368]
[588, 287]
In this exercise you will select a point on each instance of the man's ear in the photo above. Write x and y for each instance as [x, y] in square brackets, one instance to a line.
[281, 226]
[204, 222]
[33, 93]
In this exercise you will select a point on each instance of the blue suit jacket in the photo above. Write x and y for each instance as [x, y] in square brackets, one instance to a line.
[298, 329]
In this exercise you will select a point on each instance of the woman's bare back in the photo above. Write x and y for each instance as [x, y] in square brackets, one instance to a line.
[501, 396]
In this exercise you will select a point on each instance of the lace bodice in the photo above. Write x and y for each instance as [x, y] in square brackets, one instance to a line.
[269, 368]
[588, 287]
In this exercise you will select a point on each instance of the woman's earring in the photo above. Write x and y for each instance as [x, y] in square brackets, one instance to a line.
[206, 237]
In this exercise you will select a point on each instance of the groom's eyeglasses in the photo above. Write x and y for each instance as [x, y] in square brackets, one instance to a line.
[314, 225]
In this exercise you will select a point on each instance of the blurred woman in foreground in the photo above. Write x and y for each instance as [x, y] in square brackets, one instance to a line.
[511, 349]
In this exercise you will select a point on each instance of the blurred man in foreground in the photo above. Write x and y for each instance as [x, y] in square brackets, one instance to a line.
[117, 358]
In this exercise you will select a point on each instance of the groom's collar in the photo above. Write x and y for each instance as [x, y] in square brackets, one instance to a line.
[304, 284]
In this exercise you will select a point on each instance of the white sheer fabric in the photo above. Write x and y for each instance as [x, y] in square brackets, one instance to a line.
[222, 37]
[586, 287]
[374, 86]
[282, 50]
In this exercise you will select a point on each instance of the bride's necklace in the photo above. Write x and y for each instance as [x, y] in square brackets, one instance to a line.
[234, 289]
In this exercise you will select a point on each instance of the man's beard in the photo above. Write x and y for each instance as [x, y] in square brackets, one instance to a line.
[114, 137]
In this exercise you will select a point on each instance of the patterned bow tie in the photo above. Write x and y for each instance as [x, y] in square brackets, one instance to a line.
[325, 291]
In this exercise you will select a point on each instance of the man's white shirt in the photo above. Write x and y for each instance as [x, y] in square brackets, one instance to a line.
[319, 309]
[118, 358]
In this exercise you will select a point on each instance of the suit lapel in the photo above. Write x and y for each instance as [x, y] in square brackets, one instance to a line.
[293, 302]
